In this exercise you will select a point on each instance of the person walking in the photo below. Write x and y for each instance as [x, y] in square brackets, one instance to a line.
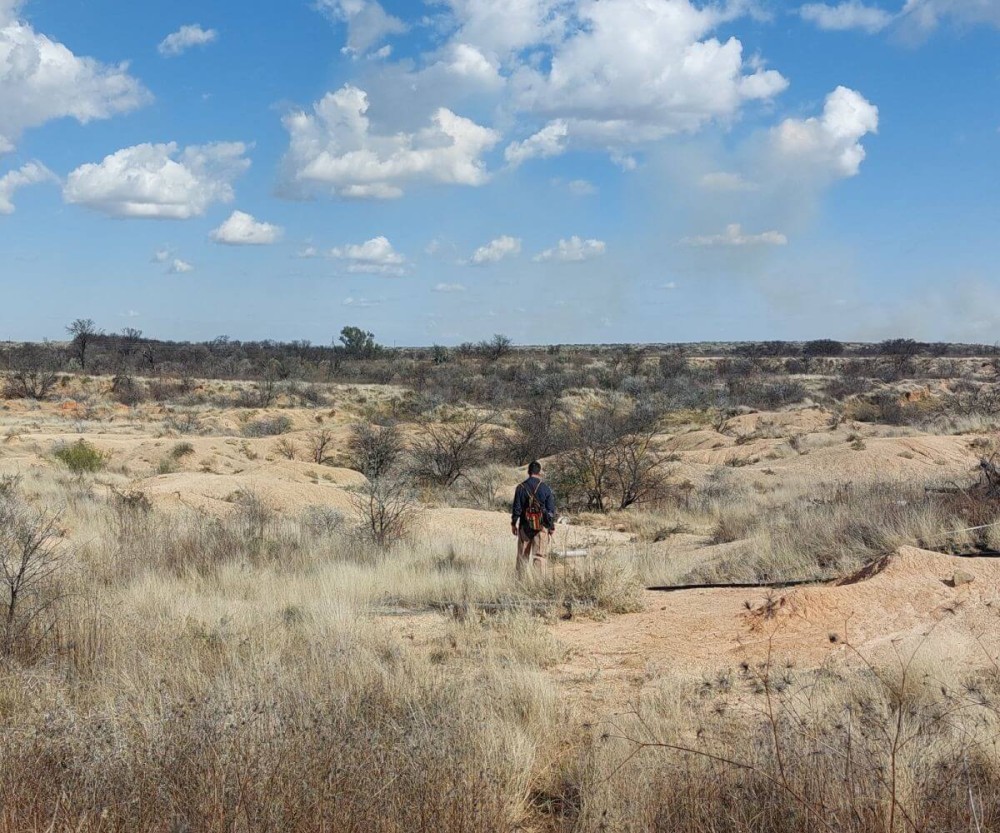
[533, 520]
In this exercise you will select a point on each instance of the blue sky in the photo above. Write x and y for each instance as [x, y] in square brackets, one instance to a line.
[556, 170]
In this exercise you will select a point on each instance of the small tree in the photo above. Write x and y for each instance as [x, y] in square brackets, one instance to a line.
[539, 428]
[83, 331]
[443, 452]
[496, 348]
[33, 372]
[825, 347]
[29, 561]
[374, 449]
[612, 463]
[320, 445]
[385, 506]
[358, 344]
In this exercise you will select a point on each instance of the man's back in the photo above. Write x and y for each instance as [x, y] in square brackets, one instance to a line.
[534, 488]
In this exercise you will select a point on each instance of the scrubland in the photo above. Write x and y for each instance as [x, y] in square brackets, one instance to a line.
[290, 604]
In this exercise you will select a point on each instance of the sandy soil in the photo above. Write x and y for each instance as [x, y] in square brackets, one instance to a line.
[908, 602]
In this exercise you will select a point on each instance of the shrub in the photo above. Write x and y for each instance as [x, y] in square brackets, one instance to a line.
[822, 347]
[320, 445]
[386, 507]
[443, 452]
[600, 583]
[612, 463]
[374, 450]
[29, 561]
[80, 457]
[181, 450]
[268, 427]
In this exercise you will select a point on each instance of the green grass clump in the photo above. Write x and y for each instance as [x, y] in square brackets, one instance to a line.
[80, 457]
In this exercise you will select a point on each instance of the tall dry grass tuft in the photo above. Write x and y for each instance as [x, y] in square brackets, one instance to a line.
[875, 750]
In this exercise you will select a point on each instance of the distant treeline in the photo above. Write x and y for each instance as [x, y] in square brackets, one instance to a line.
[493, 371]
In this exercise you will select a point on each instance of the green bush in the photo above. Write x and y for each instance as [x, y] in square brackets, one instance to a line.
[80, 457]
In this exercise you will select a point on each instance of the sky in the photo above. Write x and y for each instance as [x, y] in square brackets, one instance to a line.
[560, 171]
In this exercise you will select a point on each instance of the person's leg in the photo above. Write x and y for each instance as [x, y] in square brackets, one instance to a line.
[540, 551]
[523, 553]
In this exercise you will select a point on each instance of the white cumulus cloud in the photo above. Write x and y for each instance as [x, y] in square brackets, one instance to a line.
[831, 143]
[242, 229]
[549, 141]
[375, 257]
[848, 15]
[333, 149]
[449, 287]
[185, 38]
[32, 173]
[180, 267]
[159, 181]
[368, 24]
[630, 71]
[42, 80]
[496, 250]
[573, 250]
[735, 236]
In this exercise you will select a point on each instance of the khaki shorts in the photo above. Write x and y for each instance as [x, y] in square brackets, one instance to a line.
[532, 551]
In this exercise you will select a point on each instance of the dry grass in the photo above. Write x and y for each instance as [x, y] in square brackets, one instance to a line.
[846, 748]
[234, 669]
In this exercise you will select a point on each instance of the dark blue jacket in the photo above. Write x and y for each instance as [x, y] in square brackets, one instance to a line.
[522, 501]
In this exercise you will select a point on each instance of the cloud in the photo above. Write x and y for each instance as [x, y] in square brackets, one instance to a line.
[845, 16]
[920, 17]
[549, 141]
[157, 182]
[581, 188]
[503, 29]
[632, 71]
[333, 149]
[161, 256]
[368, 24]
[375, 257]
[496, 250]
[242, 229]
[831, 143]
[308, 252]
[669, 285]
[468, 63]
[185, 38]
[725, 181]
[449, 287]
[180, 267]
[735, 236]
[41, 80]
[32, 173]
[573, 250]
[363, 303]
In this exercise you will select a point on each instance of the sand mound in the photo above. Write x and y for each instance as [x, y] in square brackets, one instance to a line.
[907, 605]
[778, 423]
[215, 493]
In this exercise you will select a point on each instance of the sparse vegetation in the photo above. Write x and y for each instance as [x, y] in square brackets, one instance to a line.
[253, 642]
[80, 457]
